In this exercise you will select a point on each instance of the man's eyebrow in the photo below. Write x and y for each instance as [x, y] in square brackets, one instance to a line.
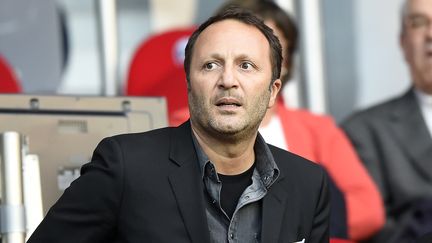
[244, 57]
[216, 56]
[416, 15]
[237, 57]
[220, 58]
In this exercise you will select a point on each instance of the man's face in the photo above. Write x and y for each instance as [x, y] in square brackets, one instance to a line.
[230, 78]
[416, 42]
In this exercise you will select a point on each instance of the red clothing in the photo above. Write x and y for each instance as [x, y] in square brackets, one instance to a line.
[318, 138]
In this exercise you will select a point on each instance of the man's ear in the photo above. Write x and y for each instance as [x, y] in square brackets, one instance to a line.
[274, 91]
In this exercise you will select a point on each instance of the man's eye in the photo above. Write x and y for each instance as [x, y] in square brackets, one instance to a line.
[418, 22]
[246, 66]
[210, 66]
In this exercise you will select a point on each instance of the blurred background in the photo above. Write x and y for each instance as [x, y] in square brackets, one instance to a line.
[349, 55]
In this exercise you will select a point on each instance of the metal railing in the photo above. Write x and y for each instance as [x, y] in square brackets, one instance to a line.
[106, 13]
[12, 214]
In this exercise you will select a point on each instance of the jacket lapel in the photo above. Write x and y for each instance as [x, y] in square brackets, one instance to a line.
[275, 207]
[410, 129]
[187, 184]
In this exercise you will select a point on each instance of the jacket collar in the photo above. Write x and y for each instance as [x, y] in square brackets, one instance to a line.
[276, 207]
[410, 129]
[187, 185]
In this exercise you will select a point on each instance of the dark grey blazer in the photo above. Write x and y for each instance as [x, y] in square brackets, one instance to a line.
[393, 142]
[146, 187]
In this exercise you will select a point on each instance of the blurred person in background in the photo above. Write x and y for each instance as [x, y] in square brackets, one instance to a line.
[394, 139]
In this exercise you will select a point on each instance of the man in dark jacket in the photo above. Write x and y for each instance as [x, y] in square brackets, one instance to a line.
[213, 179]
[394, 139]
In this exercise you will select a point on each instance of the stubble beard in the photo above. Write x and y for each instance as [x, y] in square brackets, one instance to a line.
[221, 127]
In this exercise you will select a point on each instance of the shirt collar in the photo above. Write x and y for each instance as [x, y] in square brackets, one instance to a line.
[265, 164]
[423, 98]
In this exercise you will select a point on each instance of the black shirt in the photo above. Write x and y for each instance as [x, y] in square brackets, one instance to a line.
[233, 187]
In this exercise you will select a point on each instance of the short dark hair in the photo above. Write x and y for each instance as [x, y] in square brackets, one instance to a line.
[245, 17]
[268, 10]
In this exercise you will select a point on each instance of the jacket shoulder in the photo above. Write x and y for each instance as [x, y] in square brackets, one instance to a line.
[139, 143]
[159, 133]
[374, 112]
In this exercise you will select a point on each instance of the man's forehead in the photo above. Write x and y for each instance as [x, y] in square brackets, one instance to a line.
[236, 33]
[415, 7]
[223, 26]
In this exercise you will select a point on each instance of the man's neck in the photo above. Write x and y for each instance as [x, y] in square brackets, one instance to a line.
[229, 158]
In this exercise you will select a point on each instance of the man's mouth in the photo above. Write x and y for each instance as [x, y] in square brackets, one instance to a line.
[232, 102]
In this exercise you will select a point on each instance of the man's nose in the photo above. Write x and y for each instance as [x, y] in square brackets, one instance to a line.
[228, 78]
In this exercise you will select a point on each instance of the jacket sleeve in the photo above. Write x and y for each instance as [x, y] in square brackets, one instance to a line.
[86, 212]
[365, 209]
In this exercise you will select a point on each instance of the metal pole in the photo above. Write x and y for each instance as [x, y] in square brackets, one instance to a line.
[312, 54]
[32, 190]
[108, 46]
[12, 217]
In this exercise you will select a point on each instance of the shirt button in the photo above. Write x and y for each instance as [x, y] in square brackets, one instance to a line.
[231, 236]
[246, 197]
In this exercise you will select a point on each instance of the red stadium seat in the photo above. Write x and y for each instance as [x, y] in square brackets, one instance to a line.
[8, 81]
[157, 69]
[333, 240]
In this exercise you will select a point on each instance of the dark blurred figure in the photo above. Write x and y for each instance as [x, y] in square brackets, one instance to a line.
[394, 139]
[427, 238]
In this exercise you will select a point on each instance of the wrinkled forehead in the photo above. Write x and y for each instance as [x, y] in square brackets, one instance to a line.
[232, 36]
[229, 28]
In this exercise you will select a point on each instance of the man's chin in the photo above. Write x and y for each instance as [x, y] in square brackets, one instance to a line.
[233, 130]
[227, 128]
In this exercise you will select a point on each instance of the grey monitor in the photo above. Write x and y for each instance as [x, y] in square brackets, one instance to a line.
[64, 130]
